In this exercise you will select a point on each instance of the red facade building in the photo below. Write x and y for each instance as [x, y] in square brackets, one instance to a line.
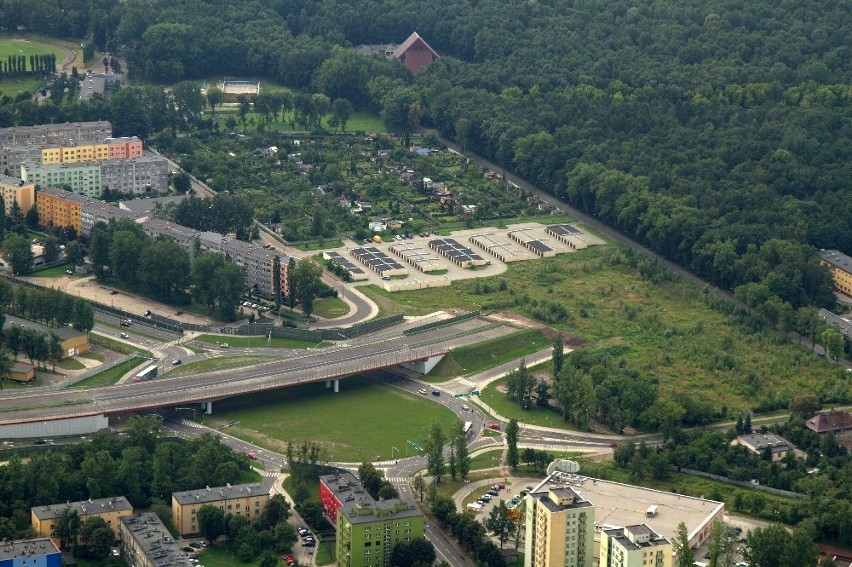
[335, 489]
[415, 53]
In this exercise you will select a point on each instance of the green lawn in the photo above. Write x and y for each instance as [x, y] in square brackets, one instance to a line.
[92, 356]
[486, 460]
[670, 332]
[472, 359]
[366, 418]
[223, 556]
[276, 342]
[212, 364]
[26, 47]
[70, 364]
[326, 553]
[331, 307]
[360, 121]
[52, 272]
[117, 346]
[322, 245]
[108, 377]
[536, 415]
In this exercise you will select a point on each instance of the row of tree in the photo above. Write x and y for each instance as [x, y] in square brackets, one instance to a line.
[16, 65]
[49, 306]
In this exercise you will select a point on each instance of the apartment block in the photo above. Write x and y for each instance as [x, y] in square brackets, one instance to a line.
[367, 530]
[124, 148]
[243, 499]
[634, 546]
[12, 157]
[74, 154]
[44, 518]
[146, 542]
[840, 266]
[560, 528]
[15, 190]
[67, 134]
[83, 178]
[57, 207]
[135, 176]
[95, 211]
[39, 552]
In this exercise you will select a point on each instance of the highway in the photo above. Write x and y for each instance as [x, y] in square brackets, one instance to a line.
[356, 356]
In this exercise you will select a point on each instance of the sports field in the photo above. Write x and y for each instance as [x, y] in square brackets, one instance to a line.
[20, 46]
[365, 419]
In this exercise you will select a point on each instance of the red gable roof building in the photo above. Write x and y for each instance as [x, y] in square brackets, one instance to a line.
[415, 53]
[840, 422]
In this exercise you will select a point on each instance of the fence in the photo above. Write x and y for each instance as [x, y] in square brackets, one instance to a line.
[441, 323]
[94, 371]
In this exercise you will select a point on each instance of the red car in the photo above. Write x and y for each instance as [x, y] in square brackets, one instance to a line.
[251, 456]
[613, 444]
[288, 559]
[494, 426]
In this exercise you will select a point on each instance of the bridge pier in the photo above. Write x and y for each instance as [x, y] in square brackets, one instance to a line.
[207, 407]
[328, 383]
[336, 386]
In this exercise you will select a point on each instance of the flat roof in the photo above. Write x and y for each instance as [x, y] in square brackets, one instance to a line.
[145, 206]
[227, 492]
[619, 504]
[760, 441]
[10, 550]
[358, 506]
[376, 259]
[450, 248]
[838, 259]
[9, 180]
[538, 246]
[564, 230]
[83, 507]
[154, 540]
[344, 263]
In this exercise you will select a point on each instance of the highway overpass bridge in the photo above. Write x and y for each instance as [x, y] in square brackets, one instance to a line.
[64, 412]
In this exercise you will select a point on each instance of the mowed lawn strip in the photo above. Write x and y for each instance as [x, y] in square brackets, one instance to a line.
[276, 342]
[672, 334]
[214, 364]
[475, 358]
[366, 418]
[331, 307]
[108, 377]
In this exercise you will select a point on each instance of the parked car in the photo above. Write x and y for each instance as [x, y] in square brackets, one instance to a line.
[113, 292]
[69, 272]
[495, 426]
[288, 559]
[252, 456]
[176, 362]
[195, 544]
[311, 543]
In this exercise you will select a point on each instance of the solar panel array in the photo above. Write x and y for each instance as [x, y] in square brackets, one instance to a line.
[455, 252]
[377, 260]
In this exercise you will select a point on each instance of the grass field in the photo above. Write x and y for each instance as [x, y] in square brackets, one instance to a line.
[486, 460]
[52, 272]
[331, 307]
[365, 419]
[322, 245]
[472, 359]
[276, 342]
[360, 121]
[108, 377]
[219, 363]
[671, 334]
[26, 47]
[92, 356]
[70, 364]
[224, 556]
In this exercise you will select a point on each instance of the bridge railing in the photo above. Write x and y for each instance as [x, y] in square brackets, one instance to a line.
[441, 323]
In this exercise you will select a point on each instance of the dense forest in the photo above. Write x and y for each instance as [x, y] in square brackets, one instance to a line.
[716, 133]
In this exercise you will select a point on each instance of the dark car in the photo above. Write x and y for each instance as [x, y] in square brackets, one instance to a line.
[195, 544]
[40, 442]
[188, 549]
[436, 393]
[309, 544]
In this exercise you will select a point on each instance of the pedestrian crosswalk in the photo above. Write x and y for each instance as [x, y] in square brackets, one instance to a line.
[270, 473]
[466, 382]
[190, 423]
[398, 480]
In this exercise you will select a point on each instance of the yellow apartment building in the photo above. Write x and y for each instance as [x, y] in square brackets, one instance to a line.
[634, 546]
[45, 518]
[245, 499]
[840, 266]
[13, 189]
[59, 208]
[560, 528]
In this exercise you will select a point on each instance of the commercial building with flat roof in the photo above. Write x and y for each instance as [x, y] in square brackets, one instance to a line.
[14, 190]
[634, 546]
[244, 499]
[67, 134]
[367, 530]
[560, 527]
[44, 518]
[146, 542]
[39, 552]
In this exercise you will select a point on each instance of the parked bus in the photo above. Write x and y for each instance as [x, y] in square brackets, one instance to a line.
[467, 426]
[148, 374]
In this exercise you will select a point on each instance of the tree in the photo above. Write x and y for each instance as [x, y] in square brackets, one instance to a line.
[247, 542]
[215, 97]
[370, 478]
[419, 485]
[5, 367]
[341, 112]
[722, 547]
[305, 281]
[285, 536]
[211, 522]
[277, 510]
[67, 527]
[31, 218]
[182, 182]
[804, 405]
[460, 452]
[268, 559]
[417, 552]
[97, 536]
[229, 282]
[51, 249]
[500, 523]
[100, 240]
[832, 340]
[19, 254]
[512, 456]
[188, 101]
[434, 447]
[558, 354]
[681, 549]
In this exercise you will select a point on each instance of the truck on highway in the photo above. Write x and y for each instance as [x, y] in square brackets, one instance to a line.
[148, 373]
